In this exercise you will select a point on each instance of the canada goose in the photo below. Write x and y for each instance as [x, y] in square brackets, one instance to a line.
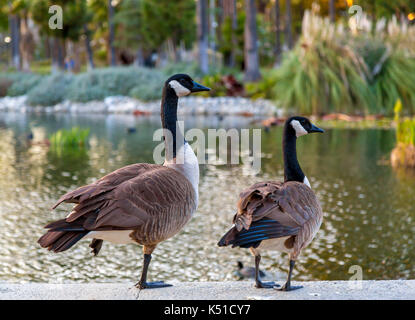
[141, 203]
[282, 216]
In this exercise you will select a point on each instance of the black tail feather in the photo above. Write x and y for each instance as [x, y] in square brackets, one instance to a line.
[259, 230]
[62, 235]
[228, 238]
[96, 245]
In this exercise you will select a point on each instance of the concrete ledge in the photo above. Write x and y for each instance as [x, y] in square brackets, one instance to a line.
[236, 290]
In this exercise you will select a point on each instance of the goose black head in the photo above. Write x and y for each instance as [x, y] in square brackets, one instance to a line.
[302, 126]
[183, 85]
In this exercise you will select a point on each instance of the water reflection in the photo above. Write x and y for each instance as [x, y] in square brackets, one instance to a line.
[369, 208]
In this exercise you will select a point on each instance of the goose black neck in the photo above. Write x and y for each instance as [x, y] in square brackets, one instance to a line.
[169, 119]
[292, 169]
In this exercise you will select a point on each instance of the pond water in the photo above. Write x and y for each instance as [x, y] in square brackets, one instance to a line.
[369, 208]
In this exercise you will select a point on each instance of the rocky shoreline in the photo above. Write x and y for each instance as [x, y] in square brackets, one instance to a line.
[128, 105]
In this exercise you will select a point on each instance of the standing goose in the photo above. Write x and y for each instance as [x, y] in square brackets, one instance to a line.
[282, 216]
[141, 203]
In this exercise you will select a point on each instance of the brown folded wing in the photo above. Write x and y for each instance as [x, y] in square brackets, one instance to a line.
[292, 204]
[135, 197]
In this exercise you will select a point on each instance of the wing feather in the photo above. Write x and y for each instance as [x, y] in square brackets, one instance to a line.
[129, 197]
[291, 206]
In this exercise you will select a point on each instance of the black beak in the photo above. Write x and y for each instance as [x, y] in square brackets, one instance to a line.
[198, 87]
[315, 129]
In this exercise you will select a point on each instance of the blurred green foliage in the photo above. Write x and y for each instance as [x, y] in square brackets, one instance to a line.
[50, 91]
[72, 141]
[332, 69]
[75, 137]
[405, 128]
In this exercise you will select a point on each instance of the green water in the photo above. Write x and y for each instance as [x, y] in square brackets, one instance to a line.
[369, 208]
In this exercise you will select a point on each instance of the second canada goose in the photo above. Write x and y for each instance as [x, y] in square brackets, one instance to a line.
[141, 203]
[283, 216]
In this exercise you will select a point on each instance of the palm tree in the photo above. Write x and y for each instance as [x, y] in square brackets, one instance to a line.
[111, 33]
[288, 22]
[250, 42]
[14, 26]
[234, 36]
[332, 10]
[88, 47]
[277, 33]
[202, 35]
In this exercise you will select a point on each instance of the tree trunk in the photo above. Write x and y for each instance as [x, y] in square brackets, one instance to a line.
[288, 24]
[212, 26]
[202, 35]
[332, 11]
[111, 34]
[139, 58]
[277, 33]
[250, 42]
[57, 55]
[234, 38]
[27, 45]
[221, 16]
[89, 52]
[72, 55]
[14, 23]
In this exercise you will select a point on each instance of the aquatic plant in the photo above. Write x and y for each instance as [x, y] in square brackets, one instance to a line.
[74, 138]
[404, 152]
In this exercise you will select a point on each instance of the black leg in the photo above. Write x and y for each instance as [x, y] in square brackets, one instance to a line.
[287, 286]
[258, 282]
[143, 284]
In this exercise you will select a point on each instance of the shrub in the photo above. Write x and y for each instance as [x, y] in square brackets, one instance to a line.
[264, 88]
[100, 83]
[403, 155]
[192, 69]
[332, 69]
[147, 91]
[24, 84]
[405, 128]
[50, 91]
[18, 83]
[5, 84]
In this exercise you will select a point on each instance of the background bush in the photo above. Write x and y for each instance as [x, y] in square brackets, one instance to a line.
[100, 83]
[50, 91]
[18, 83]
[334, 69]
[24, 84]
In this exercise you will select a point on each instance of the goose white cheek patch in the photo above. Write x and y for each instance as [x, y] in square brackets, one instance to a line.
[299, 130]
[180, 90]
[306, 182]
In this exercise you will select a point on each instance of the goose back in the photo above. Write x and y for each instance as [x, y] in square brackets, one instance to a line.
[277, 210]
